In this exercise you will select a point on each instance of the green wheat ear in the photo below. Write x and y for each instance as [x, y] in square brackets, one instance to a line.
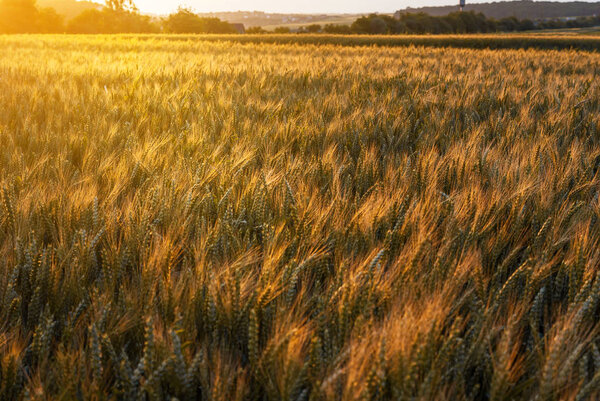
[253, 329]
[96, 355]
[9, 211]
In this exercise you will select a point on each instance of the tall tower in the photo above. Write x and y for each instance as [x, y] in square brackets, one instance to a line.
[461, 5]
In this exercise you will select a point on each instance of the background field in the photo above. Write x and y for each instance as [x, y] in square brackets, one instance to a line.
[337, 20]
[572, 40]
[224, 220]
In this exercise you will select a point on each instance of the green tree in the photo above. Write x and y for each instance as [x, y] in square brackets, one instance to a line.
[186, 21]
[314, 28]
[338, 29]
[282, 29]
[376, 25]
[255, 30]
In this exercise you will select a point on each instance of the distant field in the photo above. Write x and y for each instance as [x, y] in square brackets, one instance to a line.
[341, 20]
[224, 218]
[572, 31]
[272, 20]
[541, 40]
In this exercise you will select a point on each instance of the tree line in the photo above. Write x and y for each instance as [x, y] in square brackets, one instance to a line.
[453, 23]
[116, 16]
[122, 16]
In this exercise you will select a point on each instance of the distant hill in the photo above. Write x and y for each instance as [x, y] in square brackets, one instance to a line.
[524, 9]
[68, 8]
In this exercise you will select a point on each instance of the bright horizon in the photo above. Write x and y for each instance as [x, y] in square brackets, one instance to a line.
[290, 7]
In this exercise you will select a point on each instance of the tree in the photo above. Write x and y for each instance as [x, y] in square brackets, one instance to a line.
[338, 29]
[183, 21]
[18, 16]
[23, 16]
[527, 25]
[119, 16]
[255, 30]
[186, 21]
[49, 21]
[121, 5]
[361, 25]
[508, 24]
[313, 28]
[378, 26]
[91, 22]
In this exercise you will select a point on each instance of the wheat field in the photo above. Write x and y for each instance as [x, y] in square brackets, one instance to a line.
[212, 220]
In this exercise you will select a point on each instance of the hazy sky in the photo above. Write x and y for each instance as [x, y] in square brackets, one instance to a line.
[289, 6]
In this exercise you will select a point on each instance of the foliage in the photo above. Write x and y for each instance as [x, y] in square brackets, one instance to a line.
[453, 23]
[20, 16]
[186, 21]
[121, 5]
[420, 23]
[220, 220]
[253, 30]
[282, 29]
[68, 8]
[337, 29]
[109, 20]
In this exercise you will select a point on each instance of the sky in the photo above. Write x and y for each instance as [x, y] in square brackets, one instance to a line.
[288, 6]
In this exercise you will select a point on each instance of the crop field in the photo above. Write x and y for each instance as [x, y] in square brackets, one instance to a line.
[200, 219]
[543, 40]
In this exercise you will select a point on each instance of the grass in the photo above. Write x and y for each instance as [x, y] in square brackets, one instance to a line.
[222, 220]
